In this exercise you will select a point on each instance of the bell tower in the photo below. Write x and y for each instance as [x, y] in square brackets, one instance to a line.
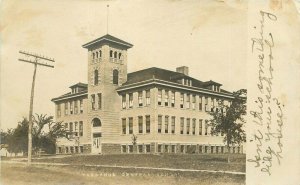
[107, 70]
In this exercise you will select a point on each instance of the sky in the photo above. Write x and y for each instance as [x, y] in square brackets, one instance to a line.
[210, 37]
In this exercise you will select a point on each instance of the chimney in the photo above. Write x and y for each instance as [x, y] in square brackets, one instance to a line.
[183, 70]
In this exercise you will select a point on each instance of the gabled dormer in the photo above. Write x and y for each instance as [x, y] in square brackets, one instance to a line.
[77, 88]
[211, 85]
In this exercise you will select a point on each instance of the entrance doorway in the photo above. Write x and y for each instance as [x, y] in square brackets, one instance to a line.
[96, 143]
[96, 136]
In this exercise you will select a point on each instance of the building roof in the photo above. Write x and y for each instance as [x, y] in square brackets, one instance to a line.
[148, 76]
[108, 38]
[79, 84]
[163, 74]
[83, 91]
[156, 75]
[70, 95]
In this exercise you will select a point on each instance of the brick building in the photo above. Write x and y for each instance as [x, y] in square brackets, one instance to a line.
[166, 111]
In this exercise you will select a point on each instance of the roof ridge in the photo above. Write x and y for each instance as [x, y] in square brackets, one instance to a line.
[108, 37]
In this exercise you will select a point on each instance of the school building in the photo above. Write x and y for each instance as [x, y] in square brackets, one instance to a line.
[153, 110]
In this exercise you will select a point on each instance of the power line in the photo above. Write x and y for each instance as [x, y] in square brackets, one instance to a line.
[34, 60]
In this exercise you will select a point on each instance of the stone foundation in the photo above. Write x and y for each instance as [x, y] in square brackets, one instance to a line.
[108, 148]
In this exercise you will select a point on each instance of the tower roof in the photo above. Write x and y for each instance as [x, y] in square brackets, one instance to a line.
[108, 38]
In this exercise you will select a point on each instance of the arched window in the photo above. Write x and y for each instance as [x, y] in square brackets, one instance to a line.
[120, 55]
[100, 53]
[115, 54]
[115, 76]
[96, 122]
[96, 80]
[111, 54]
[93, 55]
[96, 54]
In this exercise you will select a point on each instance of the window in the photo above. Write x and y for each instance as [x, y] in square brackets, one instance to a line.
[81, 149]
[182, 149]
[194, 127]
[96, 122]
[76, 149]
[100, 53]
[166, 124]
[71, 127]
[147, 124]
[66, 108]
[159, 148]
[206, 104]
[147, 97]
[200, 103]
[217, 105]
[67, 149]
[76, 129]
[110, 53]
[124, 148]
[140, 98]
[99, 100]
[181, 125]
[75, 107]
[115, 54]
[115, 76]
[130, 148]
[96, 80]
[96, 54]
[166, 98]
[185, 81]
[172, 99]
[159, 96]
[188, 126]
[173, 149]
[166, 148]
[93, 56]
[148, 148]
[130, 100]
[123, 126]
[120, 56]
[81, 106]
[200, 126]
[66, 126]
[200, 149]
[130, 125]
[181, 100]
[206, 127]
[193, 101]
[188, 101]
[159, 124]
[140, 148]
[212, 104]
[93, 101]
[173, 124]
[124, 101]
[58, 110]
[80, 128]
[140, 124]
[71, 107]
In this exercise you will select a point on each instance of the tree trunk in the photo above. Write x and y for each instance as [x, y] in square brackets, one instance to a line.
[228, 154]
[228, 147]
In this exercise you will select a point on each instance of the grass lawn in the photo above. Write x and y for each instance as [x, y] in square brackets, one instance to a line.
[19, 174]
[200, 162]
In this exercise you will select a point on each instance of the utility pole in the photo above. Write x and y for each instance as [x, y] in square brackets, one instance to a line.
[33, 59]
